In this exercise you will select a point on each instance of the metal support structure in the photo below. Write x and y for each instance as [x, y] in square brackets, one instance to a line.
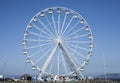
[45, 65]
[70, 62]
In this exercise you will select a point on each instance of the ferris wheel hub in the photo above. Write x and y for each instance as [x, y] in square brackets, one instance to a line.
[58, 40]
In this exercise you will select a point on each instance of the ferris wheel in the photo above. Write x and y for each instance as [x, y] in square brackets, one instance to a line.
[58, 41]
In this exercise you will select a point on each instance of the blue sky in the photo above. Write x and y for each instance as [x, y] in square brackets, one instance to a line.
[103, 17]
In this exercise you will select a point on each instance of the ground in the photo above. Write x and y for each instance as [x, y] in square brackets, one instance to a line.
[82, 81]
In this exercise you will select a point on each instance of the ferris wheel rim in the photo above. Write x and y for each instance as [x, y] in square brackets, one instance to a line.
[48, 24]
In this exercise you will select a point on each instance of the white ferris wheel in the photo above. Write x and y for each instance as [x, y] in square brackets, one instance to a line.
[58, 41]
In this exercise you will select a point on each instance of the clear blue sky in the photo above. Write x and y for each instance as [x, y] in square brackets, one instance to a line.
[103, 17]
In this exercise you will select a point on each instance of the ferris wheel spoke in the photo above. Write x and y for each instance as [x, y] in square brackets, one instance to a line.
[78, 41]
[67, 26]
[58, 24]
[33, 33]
[63, 61]
[76, 60]
[45, 27]
[72, 27]
[73, 66]
[72, 49]
[43, 55]
[78, 36]
[40, 51]
[35, 53]
[75, 32]
[58, 64]
[39, 35]
[36, 46]
[76, 52]
[42, 31]
[63, 23]
[32, 39]
[51, 66]
[76, 46]
[37, 40]
[45, 37]
[53, 20]
[50, 24]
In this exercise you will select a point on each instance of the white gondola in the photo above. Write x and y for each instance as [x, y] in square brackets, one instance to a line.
[42, 14]
[59, 10]
[28, 60]
[87, 28]
[25, 52]
[30, 25]
[90, 36]
[82, 21]
[34, 67]
[35, 19]
[75, 16]
[67, 12]
[81, 69]
[50, 11]
[24, 42]
[26, 33]
[90, 53]
[86, 61]
[91, 45]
